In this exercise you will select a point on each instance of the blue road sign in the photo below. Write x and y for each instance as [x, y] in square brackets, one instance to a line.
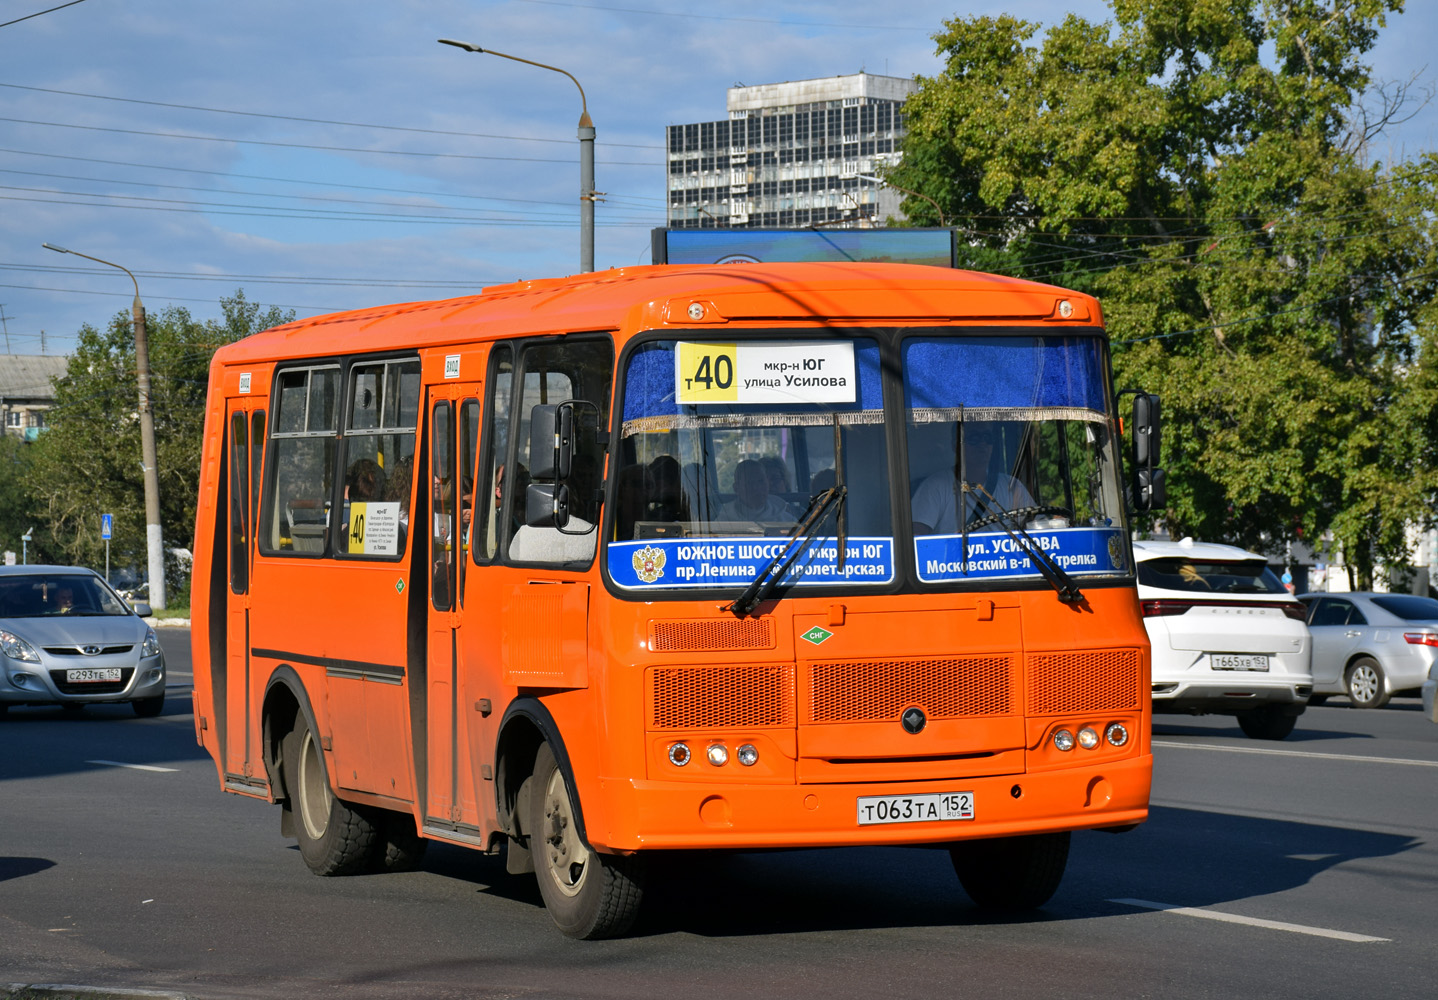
[106, 523]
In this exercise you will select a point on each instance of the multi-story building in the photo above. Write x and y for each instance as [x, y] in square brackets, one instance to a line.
[26, 392]
[792, 154]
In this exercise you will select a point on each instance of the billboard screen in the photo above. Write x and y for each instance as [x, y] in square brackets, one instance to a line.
[732, 246]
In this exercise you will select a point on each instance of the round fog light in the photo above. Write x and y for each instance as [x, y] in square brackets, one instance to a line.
[1116, 734]
[718, 754]
[748, 755]
[1088, 738]
[678, 754]
[1064, 740]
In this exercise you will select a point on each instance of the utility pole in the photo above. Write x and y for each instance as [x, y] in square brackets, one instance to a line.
[4, 321]
[153, 537]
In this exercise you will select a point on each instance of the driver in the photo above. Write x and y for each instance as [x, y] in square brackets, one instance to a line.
[936, 499]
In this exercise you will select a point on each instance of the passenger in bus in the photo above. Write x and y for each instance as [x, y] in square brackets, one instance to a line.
[397, 490]
[752, 499]
[824, 479]
[937, 498]
[365, 480]
[777, 473]
[666, 498]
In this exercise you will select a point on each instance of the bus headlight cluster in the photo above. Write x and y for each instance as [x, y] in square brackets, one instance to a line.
[716, 753]
[1116, 733]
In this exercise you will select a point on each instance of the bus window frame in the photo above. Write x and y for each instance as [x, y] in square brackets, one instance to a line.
[269, 492]
[489, 418]
[346, 433]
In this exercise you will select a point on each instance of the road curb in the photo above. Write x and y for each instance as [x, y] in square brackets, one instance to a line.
[95, 992]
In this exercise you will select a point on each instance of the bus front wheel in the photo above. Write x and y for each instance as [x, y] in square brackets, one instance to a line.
[1011, 873]
[589, 895]
[335, 838]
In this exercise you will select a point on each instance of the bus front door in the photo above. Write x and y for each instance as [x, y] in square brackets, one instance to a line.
[450, 782]
[245, 434]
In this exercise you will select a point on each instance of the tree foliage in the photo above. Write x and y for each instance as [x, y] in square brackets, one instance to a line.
[1202, 166]
[88, 461]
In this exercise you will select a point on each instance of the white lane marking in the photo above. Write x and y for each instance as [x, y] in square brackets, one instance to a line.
[1233, 918]
[1298, 753]
[133, 767]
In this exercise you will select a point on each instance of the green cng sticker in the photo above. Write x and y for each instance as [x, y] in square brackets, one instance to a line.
[816, 635]
[399, 586]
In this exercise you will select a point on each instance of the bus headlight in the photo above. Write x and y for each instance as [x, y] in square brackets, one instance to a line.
[1088, 737]
[679, 754]
[748, 755]
[1116, 734]
[1064, 740]
[718, 754]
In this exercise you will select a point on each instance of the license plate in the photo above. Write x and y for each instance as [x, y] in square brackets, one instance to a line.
[932, 807]
[92, 675]
[1240, 661]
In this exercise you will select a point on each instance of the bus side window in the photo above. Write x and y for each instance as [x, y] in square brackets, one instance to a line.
[497, 483]
[556, 370]
[301, 483]
[379, 457]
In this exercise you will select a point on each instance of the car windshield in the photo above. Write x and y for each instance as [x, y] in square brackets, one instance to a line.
[45, 595]
[1408, 607]
[1210, 576]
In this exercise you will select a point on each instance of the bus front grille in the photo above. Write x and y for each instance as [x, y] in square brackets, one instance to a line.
[946, 688]
[749, 695]
[714, 635]
[1102, 680]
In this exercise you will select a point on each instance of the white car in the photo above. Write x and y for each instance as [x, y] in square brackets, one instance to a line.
[1430, 690]
[1227, 636]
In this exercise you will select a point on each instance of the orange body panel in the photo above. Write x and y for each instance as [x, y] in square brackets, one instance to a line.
[409, 701]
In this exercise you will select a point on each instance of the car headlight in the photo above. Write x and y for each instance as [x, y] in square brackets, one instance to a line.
[151, 645]
[17, 648]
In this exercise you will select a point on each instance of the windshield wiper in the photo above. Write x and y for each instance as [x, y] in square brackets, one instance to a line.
[799, 540]
[1051, 571]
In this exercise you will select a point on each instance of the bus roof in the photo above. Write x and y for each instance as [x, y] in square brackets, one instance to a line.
[655, 296]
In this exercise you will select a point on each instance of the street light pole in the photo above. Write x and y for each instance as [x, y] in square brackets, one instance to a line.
[884, 183]
[587, 194]
[153, 536]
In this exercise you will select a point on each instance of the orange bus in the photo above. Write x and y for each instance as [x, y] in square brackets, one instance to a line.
[667, 558]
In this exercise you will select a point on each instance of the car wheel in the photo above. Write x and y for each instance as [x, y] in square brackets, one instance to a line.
[1267, 723]
[1365, 684]
[335, 838]
[589, 895]
[1010, 874]
[148, 708]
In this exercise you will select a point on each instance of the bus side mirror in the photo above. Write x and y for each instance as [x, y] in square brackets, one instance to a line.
[546, 505]
[551, 441]
[1150, 487]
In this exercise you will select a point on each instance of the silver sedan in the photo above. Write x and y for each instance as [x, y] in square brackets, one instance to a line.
[66, 638]
[1370, 646]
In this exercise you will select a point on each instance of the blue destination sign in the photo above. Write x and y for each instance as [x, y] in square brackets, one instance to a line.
[993, 555]
[663, 563]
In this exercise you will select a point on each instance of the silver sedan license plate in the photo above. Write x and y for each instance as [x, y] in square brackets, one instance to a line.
[92, 675]
[927, 808]
[1240, 661]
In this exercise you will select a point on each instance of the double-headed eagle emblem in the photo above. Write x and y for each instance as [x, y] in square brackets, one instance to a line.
[649, 564]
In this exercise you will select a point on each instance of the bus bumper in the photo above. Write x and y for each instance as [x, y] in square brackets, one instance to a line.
[669, 815]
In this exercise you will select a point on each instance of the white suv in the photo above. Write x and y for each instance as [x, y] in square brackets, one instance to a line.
[1227, 637]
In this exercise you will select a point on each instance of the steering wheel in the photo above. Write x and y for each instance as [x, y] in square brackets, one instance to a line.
[1020, 514]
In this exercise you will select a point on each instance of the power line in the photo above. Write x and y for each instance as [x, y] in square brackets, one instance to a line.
[39, 12]
[313, 146]
[744, 20]
[311, 121]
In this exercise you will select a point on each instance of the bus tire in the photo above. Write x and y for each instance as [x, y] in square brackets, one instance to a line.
[335, 838]
[1010, 874]
[399, 846]
[589, 895]
[1269, 722]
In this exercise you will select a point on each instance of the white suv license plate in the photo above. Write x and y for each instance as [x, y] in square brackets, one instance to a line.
[933, 807]
[92, 675]
[1239, 661]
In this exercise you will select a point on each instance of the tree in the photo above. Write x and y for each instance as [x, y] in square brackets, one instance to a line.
[88, 462]
[1201, 165]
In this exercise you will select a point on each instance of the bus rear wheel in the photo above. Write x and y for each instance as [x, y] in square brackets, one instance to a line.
[1010, 874]
[335, 838]
[589, 895]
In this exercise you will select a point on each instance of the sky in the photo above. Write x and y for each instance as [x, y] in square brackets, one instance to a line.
[328, 155]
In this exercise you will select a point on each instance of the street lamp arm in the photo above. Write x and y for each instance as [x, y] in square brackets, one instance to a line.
[881, 181]
[97, 260]
[471, 47]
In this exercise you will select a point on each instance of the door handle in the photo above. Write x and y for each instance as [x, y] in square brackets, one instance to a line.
[1352, 634]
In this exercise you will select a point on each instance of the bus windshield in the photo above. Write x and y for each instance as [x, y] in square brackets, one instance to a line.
[724, 447]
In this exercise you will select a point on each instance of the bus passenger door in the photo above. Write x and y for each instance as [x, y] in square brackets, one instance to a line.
[453, 437]
[245, 434]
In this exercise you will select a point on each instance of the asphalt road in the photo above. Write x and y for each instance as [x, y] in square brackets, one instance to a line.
[1302, 868]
